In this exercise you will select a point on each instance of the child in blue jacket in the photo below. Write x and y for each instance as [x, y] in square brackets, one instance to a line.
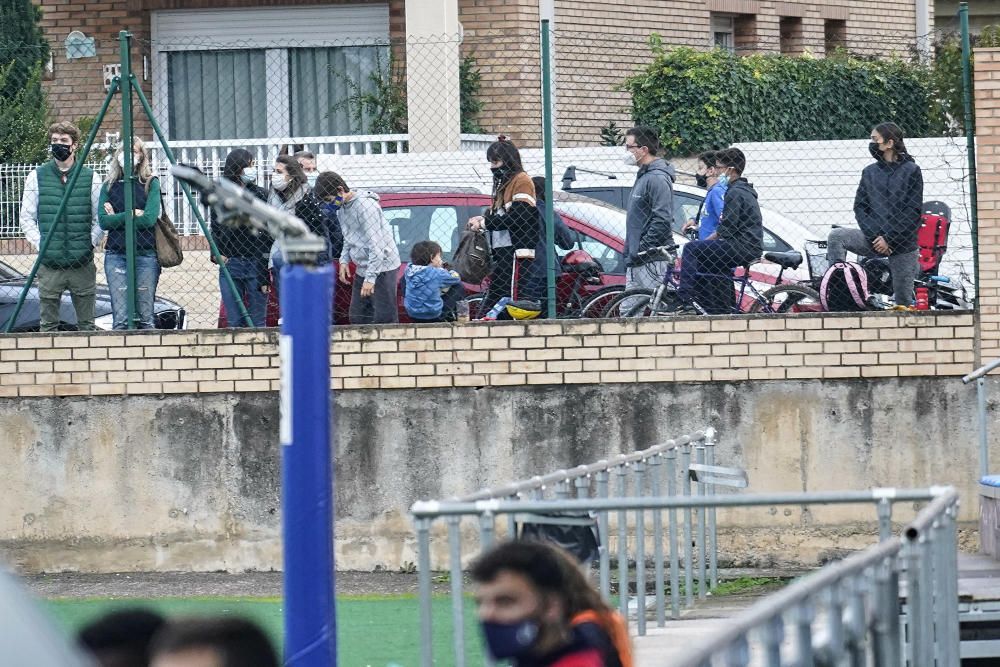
[432, 292]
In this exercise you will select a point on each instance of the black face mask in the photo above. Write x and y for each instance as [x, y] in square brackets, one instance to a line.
[874, 150]
[60, 152]
[701, 180]
[500, 173]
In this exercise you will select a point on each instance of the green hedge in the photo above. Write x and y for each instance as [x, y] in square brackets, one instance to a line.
[701, 100]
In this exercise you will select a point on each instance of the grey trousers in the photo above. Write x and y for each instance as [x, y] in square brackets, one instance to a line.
[648, 275]
[904, 267]
[381, 306]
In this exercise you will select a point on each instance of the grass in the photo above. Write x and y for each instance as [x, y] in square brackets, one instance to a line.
[747, 585]
[372, 631]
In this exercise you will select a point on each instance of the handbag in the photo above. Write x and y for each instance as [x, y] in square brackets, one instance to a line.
[472, 258]
[168, 243]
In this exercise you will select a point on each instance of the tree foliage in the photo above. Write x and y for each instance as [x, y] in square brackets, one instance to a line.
[23, 110]
[701, 100]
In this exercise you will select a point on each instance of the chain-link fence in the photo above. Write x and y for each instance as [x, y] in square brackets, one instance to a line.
[412, 120]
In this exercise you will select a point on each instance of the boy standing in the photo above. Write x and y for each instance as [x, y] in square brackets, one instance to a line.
[432, 292]
[68, 263]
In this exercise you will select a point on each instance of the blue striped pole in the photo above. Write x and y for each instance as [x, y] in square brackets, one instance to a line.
[306, 470]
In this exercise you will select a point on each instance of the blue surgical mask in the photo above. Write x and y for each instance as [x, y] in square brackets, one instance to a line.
[724, 180]
[311, 179]
[249, 175]
[510, 640]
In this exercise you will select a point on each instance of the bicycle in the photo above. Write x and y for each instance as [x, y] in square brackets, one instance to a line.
[665, 299]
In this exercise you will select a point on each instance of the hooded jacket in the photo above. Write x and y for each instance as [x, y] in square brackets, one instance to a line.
[423, 290]
[889, 203]
[368, 240]
[649, 221]
[741, 223]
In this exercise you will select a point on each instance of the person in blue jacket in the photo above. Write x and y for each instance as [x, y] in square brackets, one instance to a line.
[710, 212]
[432, 292]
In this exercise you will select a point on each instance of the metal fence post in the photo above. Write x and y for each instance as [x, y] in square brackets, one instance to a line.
[639, 470]
[622, 472]
[424, 585]
[803, 619]
[970, 140]
[688, 553]
[550, 248]
[457, 604]
[675, 585]
[701, 535]
[884, 509]
[984, 445]
[655, 471]
[128, 176]
[604, 554]
[713, 538]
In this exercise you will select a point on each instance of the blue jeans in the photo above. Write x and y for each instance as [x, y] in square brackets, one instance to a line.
[246, 274]
[147, 275]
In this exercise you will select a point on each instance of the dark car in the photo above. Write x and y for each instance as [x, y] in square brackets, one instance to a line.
[166, 314]
[599, 230]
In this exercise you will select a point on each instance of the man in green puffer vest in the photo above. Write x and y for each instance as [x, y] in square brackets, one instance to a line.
[68, 262]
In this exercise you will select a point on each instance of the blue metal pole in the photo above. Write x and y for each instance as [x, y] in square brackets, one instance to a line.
[306, 470]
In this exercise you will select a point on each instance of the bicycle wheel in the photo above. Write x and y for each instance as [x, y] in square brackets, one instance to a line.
[614, 306]
[787, 299]
[597, 304]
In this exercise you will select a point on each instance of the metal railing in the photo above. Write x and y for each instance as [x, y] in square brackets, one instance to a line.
[926, 563]
[683, 467]
[979, 375]
[849, 612]
[209, 156]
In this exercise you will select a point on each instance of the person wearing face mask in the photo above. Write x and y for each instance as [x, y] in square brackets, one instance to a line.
[739, 240]
[244, 249]
[308, 161]
[512, 221]
[710, 211]
[290, 191]
[650, 213]
[525, 602]
[888, 207]
[111, 216]
[68, 263]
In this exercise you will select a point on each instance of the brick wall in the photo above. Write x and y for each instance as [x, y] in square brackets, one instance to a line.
[610, 41]
[499, 354]
[987, 86]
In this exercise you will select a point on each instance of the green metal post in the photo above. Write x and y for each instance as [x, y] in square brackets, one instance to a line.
[970, 138]
[244, 313]
[128, 179]
[550, 248]
[74, 174]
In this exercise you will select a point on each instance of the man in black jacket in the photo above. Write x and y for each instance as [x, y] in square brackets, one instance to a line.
[739, 241]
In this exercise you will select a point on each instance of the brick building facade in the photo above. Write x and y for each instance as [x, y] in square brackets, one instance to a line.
[596, 44]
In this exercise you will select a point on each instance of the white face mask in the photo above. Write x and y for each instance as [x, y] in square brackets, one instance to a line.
[629, 159]
[311, 178]
[121, 162]
[279, 181]
[249, 175]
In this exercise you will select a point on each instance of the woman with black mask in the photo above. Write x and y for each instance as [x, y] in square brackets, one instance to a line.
[888, 207]
[244, 249]
[512, 221]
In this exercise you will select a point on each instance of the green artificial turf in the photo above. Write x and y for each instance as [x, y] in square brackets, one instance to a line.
[382, 631]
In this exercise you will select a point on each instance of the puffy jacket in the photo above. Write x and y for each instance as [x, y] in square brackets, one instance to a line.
[423, 290]
[649, 221]
[889, 203]
[71, 244]
[741, 222]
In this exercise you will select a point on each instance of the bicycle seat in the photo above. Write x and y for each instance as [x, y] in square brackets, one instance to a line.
[786, 260]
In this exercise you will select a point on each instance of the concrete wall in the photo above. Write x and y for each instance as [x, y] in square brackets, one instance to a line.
[192, 482]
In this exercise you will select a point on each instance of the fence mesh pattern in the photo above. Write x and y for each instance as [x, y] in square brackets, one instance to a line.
[411, 120]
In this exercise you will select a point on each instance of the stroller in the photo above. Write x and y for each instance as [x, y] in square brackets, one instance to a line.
[932, 242]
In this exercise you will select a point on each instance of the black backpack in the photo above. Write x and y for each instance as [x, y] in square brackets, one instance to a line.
[472, 257]
[844, 288]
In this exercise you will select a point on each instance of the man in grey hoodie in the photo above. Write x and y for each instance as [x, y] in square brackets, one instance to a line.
[369, 243]
[650, 216]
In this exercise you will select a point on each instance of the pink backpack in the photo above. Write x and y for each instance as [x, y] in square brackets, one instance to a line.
[844, 288]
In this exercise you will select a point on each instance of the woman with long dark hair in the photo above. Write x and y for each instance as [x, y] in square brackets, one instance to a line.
[244, 250]
[512, 221]
[111, 216]
[888, 207]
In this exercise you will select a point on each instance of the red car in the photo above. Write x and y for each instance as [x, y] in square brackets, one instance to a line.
[441, 217]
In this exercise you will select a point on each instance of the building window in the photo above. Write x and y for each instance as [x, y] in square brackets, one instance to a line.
[723, 28]
[790, 28]
[834, 35]
[324, 81]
